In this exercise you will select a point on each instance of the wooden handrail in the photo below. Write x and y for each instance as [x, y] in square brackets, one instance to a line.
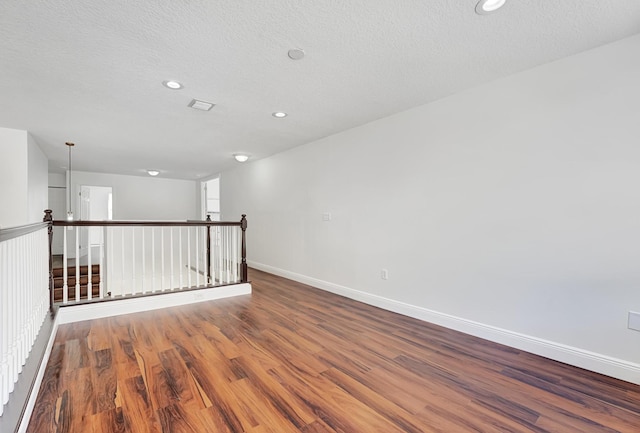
[62, 223]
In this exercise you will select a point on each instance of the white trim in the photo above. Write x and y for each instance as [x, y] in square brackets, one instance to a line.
[33, 394]
[614, 367]
[99, 310]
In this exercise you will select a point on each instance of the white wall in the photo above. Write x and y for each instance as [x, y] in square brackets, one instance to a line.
[37, 180]
[510, 211]
[23, 179]
[141, 198]
[58, 204]
[13, 182]
[57, 180]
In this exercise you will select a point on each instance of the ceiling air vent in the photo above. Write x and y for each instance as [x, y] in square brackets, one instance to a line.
[201, 105]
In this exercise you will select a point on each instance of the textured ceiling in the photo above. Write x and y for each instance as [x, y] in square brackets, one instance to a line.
[91, 71]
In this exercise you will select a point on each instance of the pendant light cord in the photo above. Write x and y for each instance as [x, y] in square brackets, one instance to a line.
[69, 211]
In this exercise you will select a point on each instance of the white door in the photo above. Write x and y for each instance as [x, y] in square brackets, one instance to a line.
[95, 205]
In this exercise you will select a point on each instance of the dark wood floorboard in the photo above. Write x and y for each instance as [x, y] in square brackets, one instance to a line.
[291, 358]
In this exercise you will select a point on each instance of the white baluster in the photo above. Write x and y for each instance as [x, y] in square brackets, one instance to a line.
[162, 286]
[111, 263]
[4, 329]
[232, 259]
[239, 253]
[144, 268]
[102, 283]
[181, 285]
[20, 304]
[7, 316]
[227, 254]
[172, 286]
[25, 284]
[219, 231]
[189, 256]
[89, 265]
[13, 316]
[11, 313]
[77, 263]
[205, 238]
[236, 257]
[153, 259]
[196, 235]
[122, 282]
[134, 288]
[223, 232]
[65, 268]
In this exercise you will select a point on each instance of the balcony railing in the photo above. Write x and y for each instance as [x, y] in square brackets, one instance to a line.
[24, 299]
[64, 263]
[107, 260]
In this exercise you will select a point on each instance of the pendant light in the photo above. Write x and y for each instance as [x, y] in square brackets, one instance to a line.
[69, 211]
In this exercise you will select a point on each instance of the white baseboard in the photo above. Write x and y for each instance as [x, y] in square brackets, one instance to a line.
[31, 402]
[618, 368]
[79, 313]
[99, 310]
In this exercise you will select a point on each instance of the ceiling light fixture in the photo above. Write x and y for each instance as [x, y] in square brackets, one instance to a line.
[485, 7]
[279, 114]
[295, 54]
[173, 85]
[153, 172]
[241, 157]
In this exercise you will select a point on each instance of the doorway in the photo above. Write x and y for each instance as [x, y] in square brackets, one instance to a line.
[212, 199]
[96, 204]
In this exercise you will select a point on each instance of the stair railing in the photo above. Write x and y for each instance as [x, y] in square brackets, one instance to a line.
[105, 260]
[24, 299]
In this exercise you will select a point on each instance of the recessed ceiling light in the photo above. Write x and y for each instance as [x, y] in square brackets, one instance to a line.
[279, 114]
[241, 157]
[173, 85]
[295, 54]
[485, 7]
[201, 105]
[153, 172]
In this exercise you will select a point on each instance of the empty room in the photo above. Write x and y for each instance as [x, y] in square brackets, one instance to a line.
[320, 217]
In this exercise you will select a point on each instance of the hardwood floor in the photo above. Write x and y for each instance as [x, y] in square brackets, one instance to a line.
[290, 358]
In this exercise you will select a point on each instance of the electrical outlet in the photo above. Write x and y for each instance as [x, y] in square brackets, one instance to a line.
[384, 274]
[634, 321]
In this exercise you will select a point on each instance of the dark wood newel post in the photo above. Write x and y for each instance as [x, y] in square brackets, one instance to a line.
[48, 218]
[243, 270]
[209, 250]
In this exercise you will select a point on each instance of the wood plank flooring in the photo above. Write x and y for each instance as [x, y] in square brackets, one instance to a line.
[290, 358]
